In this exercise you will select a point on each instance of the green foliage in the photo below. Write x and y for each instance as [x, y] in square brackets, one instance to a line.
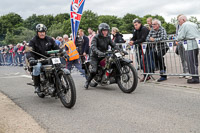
[60, 18]
[67, 27]
[31, 22]
[89, 19]
[13, 29]
[56, 30]
[127, 25]
[18, 35]
[8, 23]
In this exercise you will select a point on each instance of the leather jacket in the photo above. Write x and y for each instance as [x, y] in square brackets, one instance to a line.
[40, 46]
[100, 44]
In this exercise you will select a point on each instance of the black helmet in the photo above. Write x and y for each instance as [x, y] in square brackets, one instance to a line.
[41, 28]
[103, 26]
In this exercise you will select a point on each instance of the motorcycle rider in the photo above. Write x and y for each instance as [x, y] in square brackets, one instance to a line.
[40, 44]
[99, 46]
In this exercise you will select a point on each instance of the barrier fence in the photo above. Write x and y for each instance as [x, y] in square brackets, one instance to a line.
[166, 58]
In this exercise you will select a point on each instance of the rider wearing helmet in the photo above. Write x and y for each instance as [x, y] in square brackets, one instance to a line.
[40, 43]
[99, 46]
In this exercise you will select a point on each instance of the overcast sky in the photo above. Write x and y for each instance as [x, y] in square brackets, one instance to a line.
[168, 9]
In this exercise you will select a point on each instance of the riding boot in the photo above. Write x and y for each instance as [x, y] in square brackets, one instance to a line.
[89, 79]
[36, 80]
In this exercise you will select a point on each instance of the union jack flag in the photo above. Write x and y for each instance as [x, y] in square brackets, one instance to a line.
[76, 10]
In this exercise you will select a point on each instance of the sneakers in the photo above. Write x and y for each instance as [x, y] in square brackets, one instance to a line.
[161, 79]
[142, 80]
[193, 81]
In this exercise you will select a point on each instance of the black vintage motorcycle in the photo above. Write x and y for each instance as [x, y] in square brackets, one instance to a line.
[55, 79]
[114, 68]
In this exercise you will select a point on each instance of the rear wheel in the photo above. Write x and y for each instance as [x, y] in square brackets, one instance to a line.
[127, 82]
[67, 92]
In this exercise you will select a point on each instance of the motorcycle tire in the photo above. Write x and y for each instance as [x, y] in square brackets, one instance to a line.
[128, 72]
[67, 93]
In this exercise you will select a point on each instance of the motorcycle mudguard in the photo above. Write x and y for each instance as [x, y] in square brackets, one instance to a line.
[66, 71]
[125, 61]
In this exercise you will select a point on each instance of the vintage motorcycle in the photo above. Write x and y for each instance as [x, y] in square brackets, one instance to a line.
[114, 68]
[55, 79]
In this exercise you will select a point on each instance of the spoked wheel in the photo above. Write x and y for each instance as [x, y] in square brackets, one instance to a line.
[127, 82]
[68, 90]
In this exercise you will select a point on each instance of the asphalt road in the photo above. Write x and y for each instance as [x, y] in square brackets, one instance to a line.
[151, 108]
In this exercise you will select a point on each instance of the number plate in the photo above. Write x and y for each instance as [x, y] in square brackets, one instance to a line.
[56, 60]
[118, 54]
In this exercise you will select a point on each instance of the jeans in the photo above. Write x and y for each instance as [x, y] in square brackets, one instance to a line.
[36, 69]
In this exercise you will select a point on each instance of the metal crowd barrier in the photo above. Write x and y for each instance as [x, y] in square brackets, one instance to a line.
[163, 58]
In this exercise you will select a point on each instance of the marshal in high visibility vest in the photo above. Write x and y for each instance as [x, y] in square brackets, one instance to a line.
[70, 48]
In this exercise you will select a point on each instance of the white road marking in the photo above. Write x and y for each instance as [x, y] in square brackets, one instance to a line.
[18, 76]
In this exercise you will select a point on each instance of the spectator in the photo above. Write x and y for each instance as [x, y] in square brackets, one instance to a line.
[117, 37]
[20, 53]
[181, 51]
[70, 48]
[139, 36]
[65, 39]
[1, 57]
[61, 42]
[188, 32]
[90, 36]
[149, 22]
[57, 41]
[84, 46]
[157, 34]
[147, 26]
[11, 54]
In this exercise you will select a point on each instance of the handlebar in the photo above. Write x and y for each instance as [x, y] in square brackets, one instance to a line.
[53, 51]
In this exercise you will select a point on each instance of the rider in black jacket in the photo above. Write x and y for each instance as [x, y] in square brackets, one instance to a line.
[99, 46]
[40, 43]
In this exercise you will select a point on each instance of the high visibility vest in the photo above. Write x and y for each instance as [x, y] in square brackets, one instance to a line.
[72, 52]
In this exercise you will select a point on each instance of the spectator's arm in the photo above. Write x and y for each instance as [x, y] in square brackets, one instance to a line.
[181, 33]
[86, 41]
[148, 37]
[134, 36]
[162, 37]
[143, 37]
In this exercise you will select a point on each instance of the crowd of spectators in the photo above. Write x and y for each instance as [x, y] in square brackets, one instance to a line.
[151, 60]
[13, 55]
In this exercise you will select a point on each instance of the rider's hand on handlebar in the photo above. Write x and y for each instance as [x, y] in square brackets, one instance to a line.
[33, 62]
[44, 62]
[101, 54]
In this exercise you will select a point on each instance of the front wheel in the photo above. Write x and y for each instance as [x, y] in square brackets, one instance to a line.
[128, 80]
[67, 92]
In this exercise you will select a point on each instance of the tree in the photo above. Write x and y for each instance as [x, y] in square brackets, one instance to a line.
[31, 22]
[194, 20]
[127, 26]
[8, 23]
[60, 18]
[56, 30]
[89, 19]
[18, 35]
